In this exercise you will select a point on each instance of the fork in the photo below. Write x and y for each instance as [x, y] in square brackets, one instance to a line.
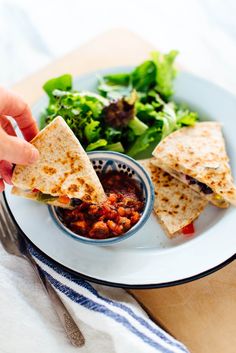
[14, 243]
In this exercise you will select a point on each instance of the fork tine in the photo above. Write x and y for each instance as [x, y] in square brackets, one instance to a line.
[4, 241]
[9, 223]
[4, 226]
[8, 232]
[4, 217]
[2, 231]
[4, 235]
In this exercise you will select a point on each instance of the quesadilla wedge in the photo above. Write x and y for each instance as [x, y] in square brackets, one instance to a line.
[176, 205]
[197, 157]
[63, 171]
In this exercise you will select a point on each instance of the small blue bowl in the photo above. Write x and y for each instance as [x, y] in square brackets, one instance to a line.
[106, 161]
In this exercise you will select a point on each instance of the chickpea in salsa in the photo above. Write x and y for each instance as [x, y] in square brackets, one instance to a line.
[121, 211]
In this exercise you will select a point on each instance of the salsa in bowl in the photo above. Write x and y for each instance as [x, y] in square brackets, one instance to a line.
[129, 203]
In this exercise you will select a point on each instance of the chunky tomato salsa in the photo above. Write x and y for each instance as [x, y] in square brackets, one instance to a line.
[121, 211]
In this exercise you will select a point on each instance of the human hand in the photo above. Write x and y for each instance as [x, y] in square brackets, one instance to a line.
[12, 148]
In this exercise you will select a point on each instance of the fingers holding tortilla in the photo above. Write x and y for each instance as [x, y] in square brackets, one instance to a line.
[7, 125]
[16, 150]
[13, 105]
[6, 171]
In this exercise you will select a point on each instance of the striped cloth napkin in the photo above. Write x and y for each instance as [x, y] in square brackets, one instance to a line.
[112, 312]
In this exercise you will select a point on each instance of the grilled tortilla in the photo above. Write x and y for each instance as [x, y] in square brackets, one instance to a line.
[63, 170]
[176, 205]
[197, 157]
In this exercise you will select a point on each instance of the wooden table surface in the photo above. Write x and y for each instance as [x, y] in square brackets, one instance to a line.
[202, 313]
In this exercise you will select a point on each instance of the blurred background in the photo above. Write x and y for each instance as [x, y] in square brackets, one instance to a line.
[33, 33]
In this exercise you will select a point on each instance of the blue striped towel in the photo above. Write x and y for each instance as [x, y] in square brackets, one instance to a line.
[111, 311]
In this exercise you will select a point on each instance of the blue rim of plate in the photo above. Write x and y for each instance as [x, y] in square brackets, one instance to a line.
[115, 284]
[146, 214]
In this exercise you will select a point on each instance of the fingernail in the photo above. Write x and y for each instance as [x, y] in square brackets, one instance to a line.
[34, 155]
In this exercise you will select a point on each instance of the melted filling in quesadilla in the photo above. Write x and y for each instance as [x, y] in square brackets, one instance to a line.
[200, 187]
[36, 195]
[63, 200]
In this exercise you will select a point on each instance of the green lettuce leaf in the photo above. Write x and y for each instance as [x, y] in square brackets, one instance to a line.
[112, 134]
[186, 118]
[143, 77]
[63, 83]
[108, 89]
[92, 130]
[117, 79]
[117, 147]
[96, 145]
[165, 72]
[137, 126]
[142, 142]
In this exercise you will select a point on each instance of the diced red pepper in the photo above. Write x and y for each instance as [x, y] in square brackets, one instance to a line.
[35, 190]
[188, 229]
[64, 199]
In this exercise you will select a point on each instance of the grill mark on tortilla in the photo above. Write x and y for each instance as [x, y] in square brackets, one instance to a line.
[89, 188]
[49, 170]
[55, 190]
[87, 197]
[58, 189]
[165, 199]
[73, 159]
[61, 161]
[73, 188]
[81, 181]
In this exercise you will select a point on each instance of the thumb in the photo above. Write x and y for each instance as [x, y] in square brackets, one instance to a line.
[15, 150]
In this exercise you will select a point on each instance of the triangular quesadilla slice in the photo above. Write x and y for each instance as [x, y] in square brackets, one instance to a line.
[176, 205]
[63, 171]
[197, 157]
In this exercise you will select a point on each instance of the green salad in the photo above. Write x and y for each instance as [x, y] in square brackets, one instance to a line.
[130, 112]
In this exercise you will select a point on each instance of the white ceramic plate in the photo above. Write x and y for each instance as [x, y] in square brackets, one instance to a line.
[148, 259]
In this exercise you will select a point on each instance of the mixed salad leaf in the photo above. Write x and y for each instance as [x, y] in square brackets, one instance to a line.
[131, 111]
